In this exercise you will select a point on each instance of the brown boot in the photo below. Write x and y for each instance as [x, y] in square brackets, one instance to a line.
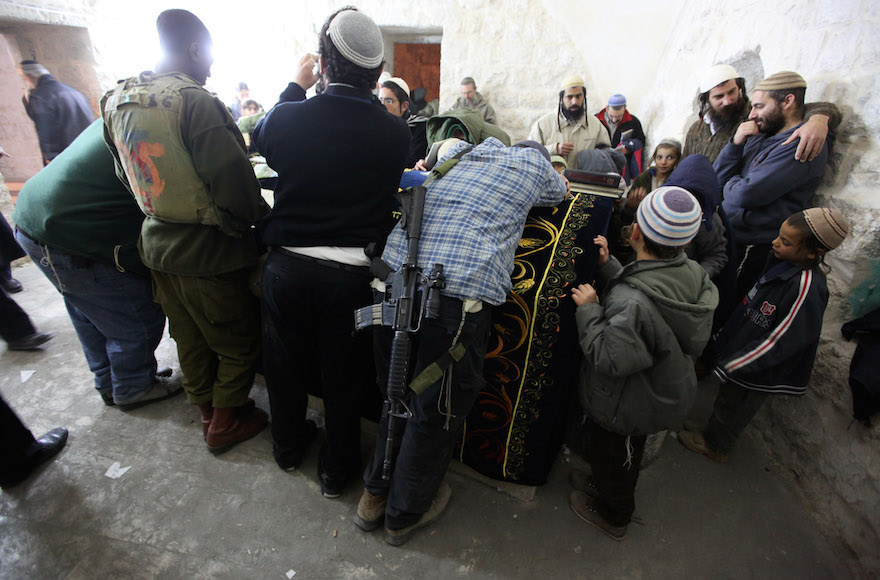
[229, 426]
[207, 412]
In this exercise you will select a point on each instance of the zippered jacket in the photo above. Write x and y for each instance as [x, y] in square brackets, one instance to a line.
[769, 343]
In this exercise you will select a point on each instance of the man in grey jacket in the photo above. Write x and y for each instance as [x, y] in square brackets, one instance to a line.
[471, 99]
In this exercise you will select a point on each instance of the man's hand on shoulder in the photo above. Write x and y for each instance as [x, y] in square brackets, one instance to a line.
[306, 77]
[812, 135]
[745, 130]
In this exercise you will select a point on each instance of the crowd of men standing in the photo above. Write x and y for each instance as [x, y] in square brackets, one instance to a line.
[190, 240]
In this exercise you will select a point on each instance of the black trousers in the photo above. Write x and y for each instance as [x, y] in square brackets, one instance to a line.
[734, 408]
[424, 442]
[308, 323]
[14, 322]
[17, 444]
[615, 460]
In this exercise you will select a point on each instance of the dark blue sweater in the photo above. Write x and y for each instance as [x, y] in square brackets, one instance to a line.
[764, 184]
[339, 157]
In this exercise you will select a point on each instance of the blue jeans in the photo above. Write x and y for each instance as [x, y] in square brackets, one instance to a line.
[116, 320]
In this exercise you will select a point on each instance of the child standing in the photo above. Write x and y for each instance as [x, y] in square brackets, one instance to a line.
[639, 343]
[768, 345]
[666, 157]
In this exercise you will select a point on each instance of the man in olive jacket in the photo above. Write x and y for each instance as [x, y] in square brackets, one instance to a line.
[178, 149]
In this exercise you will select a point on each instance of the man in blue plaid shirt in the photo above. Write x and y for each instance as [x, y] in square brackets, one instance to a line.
[473, 221]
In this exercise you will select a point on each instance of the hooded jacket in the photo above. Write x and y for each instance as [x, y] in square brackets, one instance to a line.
[710, 247]
[470, 121]
[640, 342]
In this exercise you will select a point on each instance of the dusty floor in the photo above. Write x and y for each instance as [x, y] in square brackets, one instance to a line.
[179, 512]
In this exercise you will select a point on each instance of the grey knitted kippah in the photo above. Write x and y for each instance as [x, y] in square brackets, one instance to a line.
[33, 68]
[357, 38]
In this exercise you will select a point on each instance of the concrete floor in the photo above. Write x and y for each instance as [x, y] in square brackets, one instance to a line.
[179, 512]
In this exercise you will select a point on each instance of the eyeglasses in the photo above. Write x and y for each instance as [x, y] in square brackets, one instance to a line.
[388, 101]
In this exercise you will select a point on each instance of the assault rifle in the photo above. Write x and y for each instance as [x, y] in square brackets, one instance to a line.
[410, 297]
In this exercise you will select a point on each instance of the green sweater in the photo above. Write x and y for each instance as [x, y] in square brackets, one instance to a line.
[78, 205]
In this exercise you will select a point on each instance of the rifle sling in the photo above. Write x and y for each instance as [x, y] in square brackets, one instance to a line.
[434, 371]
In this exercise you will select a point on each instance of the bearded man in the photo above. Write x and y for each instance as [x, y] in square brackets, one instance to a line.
[762, 181]
[724, 105]
[568, 130]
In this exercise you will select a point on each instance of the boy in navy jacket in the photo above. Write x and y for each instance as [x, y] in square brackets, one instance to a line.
[769, 344]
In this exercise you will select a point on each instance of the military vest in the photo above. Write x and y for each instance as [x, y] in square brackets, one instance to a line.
[143, 117]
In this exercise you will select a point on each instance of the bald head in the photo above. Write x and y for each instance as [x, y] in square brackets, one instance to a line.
[186, 44]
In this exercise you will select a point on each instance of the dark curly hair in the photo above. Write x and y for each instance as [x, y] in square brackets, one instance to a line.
[338, 68]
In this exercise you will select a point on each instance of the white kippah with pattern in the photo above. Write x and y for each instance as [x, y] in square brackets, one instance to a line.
[357, 38]
[669, 216]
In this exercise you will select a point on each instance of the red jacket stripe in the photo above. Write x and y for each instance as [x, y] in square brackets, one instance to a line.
[764, 347]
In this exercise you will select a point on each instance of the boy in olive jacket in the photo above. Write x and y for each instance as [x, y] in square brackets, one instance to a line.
[640, 343]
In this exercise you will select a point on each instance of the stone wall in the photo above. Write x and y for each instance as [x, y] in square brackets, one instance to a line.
[654, 52]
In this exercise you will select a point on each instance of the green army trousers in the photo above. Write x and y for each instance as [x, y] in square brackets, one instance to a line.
[216, 323]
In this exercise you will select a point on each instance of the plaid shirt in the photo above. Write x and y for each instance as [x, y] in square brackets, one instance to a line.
[474, 218]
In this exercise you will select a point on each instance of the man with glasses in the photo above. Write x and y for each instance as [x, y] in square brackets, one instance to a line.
[394, 94]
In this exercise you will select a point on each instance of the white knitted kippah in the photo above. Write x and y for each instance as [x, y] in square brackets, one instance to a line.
[357, 38]
[669, 216]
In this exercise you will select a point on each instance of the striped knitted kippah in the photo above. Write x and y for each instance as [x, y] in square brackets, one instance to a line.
[828, 225]
[669, 216]
[357, 38]
[33, 68]
[782, 81]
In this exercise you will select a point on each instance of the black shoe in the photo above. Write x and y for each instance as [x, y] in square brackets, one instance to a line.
[108, 399]
[331, 488]
[11, 285]
[164, 372]
[49, 446]
[29, 342]
[333, 485]
[292, 460]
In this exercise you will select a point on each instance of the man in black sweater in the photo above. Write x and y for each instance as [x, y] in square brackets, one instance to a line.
[339, 158]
